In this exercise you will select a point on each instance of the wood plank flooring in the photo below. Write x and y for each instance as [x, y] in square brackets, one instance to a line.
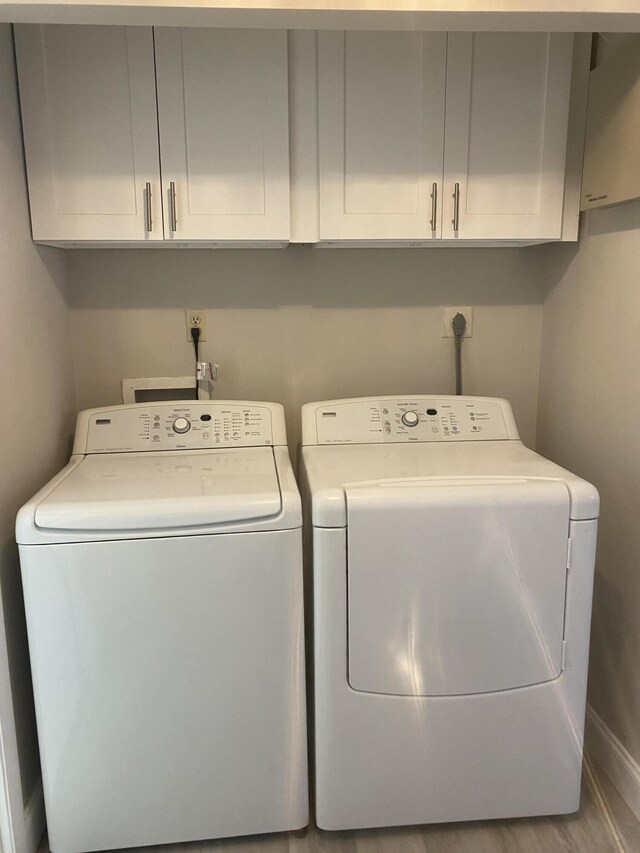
[604, 824]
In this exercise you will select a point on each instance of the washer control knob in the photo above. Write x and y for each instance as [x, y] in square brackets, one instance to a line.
[181, 425]
[410, 419]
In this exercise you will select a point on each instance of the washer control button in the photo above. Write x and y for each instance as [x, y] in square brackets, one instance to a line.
[432, 411]
[181, 425]
[410, 419]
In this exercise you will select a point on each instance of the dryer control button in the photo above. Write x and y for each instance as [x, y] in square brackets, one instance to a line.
[410, 419]
[181, 425]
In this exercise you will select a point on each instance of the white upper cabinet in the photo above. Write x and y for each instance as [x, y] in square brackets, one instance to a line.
[506, 134]
[92, 123]
[169, 136]
[224, 133]
[381, 134]
[417, 130]
[88, 101]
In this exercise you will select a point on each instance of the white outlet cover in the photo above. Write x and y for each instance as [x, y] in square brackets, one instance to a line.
[188, 314]
[449, 313]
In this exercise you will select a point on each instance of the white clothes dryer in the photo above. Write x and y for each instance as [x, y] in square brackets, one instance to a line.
[452, 575]
[162, 574]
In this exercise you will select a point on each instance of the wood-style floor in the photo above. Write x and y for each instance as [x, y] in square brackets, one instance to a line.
[604, 824]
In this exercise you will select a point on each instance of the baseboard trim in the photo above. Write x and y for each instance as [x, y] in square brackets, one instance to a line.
[34, 818]
[618, 764]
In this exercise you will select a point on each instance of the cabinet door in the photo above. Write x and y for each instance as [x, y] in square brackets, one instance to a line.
[224, 133]
[506, 133]
[381, 131]
[90, 129]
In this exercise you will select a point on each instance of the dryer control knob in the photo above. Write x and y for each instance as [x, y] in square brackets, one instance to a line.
[410, 419]
[181, 425]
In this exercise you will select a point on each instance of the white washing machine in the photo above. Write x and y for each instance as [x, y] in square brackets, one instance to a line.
[453, 574]
[162, 574]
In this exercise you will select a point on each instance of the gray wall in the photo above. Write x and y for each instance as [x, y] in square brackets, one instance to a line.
[36, 388]
[305, 324]
[589, 419]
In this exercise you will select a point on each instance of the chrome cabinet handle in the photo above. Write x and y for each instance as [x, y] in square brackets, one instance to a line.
[434, 206]
[456, 206]
[147, 207]
[173, 220]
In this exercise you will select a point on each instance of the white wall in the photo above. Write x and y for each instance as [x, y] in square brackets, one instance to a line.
[589, 421]
[306, 324]
[36, 389]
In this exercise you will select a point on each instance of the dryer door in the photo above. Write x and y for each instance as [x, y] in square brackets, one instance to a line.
[456, 586]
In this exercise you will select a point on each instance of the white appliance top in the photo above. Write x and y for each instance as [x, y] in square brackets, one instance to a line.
[330, 465]
[409, 419]
[122, 488]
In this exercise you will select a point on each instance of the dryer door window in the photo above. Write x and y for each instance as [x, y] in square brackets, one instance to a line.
[456, 586]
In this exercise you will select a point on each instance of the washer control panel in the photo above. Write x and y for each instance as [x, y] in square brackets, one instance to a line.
[413, 419]
[174, 426]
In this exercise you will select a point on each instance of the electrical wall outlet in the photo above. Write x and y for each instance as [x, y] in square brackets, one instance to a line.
[196, 318]
[449, 313]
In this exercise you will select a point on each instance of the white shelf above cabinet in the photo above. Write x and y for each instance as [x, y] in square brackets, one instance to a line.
[584, 16]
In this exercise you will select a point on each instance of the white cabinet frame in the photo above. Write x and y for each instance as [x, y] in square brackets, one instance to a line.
[69, 190]
[203, 160]
[560, 128]
[368, 189]
[224, 133]
[470, 115]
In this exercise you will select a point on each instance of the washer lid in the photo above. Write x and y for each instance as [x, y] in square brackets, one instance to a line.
[133, 491]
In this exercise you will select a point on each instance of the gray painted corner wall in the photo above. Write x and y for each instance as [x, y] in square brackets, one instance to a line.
[304, 324]
[36, 386]
[588, 418]
[588, 421]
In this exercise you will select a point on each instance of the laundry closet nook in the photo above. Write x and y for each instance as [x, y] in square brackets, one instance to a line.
[307, 314]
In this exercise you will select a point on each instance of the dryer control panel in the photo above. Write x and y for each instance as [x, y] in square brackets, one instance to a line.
[408, 419]
[179, 425]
